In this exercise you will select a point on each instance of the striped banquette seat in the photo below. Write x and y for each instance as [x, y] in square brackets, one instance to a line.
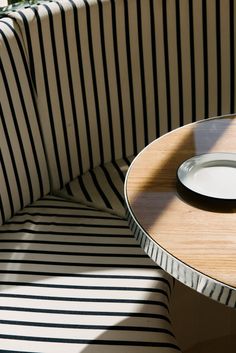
[84, 86]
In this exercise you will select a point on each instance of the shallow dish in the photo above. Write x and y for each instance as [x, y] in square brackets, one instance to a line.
[211, 175]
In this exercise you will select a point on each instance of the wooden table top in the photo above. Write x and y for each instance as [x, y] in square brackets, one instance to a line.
[196, 243]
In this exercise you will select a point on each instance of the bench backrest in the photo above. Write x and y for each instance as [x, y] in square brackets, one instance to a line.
[112, 75]
[100, 79]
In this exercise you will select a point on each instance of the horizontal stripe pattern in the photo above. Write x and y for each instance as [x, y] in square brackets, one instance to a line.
[101, 188]
[23, 172]
[102, 97]
[73, 279]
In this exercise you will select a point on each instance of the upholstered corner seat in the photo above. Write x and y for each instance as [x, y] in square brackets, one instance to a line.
[84, 86]
[72, 277]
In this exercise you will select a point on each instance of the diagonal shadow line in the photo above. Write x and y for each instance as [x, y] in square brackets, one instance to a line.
[162, 190]
[190, 145]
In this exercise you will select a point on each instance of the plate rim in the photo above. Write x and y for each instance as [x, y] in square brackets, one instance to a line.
[199, 194]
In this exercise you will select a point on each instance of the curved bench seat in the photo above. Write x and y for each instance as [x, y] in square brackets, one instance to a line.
[86, 85]
[72, 277]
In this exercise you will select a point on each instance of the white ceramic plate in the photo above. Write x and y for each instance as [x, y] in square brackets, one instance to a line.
[212, 175]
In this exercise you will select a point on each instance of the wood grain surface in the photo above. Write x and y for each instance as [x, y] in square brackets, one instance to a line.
[199, 235]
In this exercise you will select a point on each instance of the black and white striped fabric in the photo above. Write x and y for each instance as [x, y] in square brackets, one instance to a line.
[73, 279]
[109, 77]
[23, 170]
[112, 75]
[101, 188]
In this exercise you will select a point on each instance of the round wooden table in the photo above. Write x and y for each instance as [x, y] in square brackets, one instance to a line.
[194, 242]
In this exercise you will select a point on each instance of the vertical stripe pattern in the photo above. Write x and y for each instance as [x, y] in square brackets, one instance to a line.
[23, 171]
[117, 74]
[109, 76]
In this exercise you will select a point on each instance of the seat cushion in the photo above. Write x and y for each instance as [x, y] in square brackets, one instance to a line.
[101, 188]
[74, 280]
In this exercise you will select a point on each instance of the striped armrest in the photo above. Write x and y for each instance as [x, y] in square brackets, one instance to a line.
[23, 171]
